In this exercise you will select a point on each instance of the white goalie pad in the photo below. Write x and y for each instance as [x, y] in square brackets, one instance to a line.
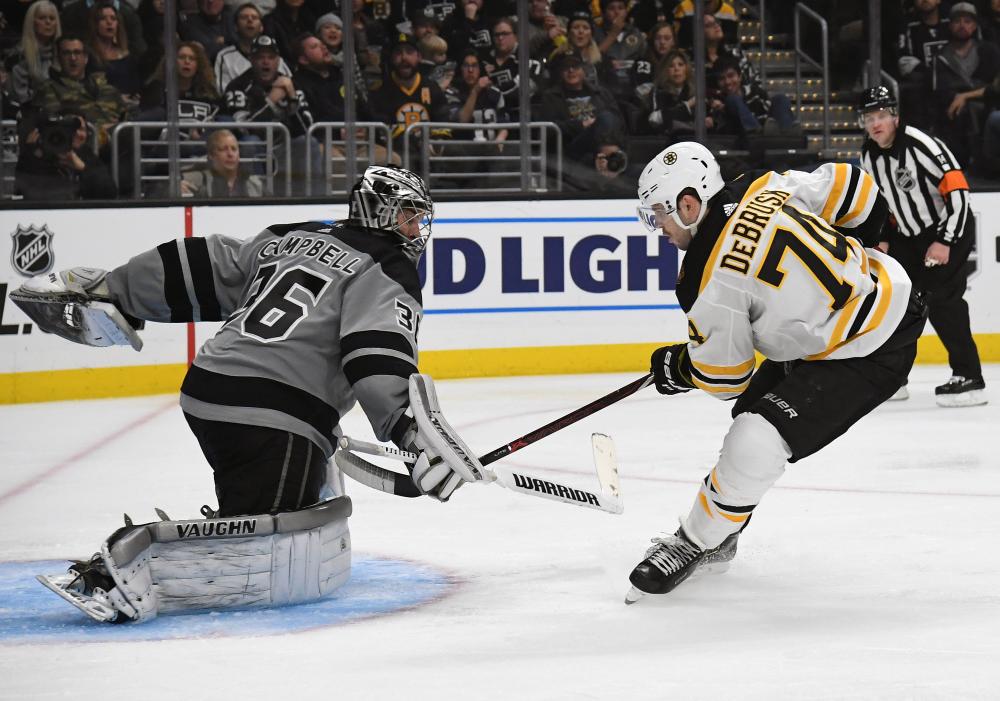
[222, 563]
[435, 429]
[76, 318]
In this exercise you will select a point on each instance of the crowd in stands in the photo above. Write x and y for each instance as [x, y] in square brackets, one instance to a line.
[604, 71]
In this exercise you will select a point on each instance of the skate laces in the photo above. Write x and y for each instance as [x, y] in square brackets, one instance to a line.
[672, 552]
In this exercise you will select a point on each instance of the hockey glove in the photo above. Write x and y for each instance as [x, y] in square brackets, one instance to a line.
[671, 368]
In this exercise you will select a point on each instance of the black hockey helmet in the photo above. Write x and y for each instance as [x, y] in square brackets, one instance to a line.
[877, 97]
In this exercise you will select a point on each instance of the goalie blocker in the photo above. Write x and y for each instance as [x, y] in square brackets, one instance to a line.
[216, 563]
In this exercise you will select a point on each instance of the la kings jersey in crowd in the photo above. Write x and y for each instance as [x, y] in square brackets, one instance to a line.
[768, 271]
[316, 315]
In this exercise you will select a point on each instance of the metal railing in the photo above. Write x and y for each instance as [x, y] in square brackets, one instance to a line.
[8, 157]
[150, 161]
[824, 65]
[471, 162]
[367, 151]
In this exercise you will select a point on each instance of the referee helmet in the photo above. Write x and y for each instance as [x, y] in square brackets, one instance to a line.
[875, 98]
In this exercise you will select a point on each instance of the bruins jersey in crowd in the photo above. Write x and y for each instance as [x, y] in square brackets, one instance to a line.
[772, 270]
[399, 106]
[317, 316]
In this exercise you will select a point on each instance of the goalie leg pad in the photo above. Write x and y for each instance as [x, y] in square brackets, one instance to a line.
[235, 562]
[442, 439]
[753, 457]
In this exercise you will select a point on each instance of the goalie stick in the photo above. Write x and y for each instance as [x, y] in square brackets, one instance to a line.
[395, 483]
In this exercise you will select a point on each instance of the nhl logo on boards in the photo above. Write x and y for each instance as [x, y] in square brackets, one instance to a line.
[31, 250]
[904, 179]
[670, 158]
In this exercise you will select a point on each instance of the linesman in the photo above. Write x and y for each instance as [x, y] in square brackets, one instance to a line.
[931, 232]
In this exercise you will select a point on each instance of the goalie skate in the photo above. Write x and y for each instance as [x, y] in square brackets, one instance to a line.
[673, 559]
[85, 588]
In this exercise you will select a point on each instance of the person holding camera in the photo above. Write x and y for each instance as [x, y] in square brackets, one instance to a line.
[56, 164]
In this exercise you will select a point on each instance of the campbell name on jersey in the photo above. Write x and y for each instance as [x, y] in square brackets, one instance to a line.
[775, 267]
[317, 316]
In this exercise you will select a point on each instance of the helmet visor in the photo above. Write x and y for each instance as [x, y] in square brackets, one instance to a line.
[413, 223]
[654, 217]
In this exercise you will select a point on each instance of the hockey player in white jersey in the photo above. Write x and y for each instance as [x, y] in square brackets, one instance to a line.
[782, 265]
[316, 317]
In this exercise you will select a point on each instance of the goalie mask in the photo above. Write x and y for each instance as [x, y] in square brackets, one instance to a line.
[684, 166]
[394, 199]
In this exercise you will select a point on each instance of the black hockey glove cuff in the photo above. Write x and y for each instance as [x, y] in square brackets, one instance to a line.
[671, 368]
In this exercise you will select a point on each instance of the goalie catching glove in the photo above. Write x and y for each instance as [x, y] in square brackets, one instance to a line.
[671, 368]
[75, 304]
[444, 461]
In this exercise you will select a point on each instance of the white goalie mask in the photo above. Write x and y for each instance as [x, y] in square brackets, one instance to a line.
[683, 166]
[393, 199]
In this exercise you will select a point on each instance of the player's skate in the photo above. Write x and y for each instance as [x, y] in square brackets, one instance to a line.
[901, 394]
[961, 391]
[86, 586]
[674, 558]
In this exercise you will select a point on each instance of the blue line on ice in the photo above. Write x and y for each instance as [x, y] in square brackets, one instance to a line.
[29, 613]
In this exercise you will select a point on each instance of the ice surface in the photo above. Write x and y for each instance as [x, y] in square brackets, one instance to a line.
[871, 571]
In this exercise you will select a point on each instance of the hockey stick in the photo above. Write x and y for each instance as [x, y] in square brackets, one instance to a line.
[400, 485]
[607, 499]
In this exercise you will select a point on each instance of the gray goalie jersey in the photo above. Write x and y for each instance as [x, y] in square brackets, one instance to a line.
[317, 316]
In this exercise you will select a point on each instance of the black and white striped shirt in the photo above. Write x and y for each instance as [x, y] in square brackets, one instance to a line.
[922, 182]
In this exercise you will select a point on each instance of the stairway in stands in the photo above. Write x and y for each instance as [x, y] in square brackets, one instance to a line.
[845, 136]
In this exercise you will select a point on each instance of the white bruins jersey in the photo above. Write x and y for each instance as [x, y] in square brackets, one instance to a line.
[769, 272]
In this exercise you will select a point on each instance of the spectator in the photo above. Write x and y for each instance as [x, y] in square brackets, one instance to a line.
[434, 63]
[319, 80]
[474, 99]
[198, 100]
[75, 20]
[406, 97]
[262, 94]
[580, 33]
[723, 12]
[71, 90]
[234, 60]
[467, 27]
[369, 34]
[674, 100]
[503, 68]
[960, 74]
[57, 164]
[647, 14]
[37, 50]
[212, 27]
[750, 107]
[660, 42]
[546, 31]
[585, 114]
[422, 26]
[330, 30]
[989, 24]
[919, 43]
[150, 14]
[223, 176]
[621, 44]
[717, 49]
[108, 44]
[289, 19]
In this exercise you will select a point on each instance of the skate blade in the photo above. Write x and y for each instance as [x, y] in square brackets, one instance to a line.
[974, 397]
[633, 595]
[901, 394]
[90, 606]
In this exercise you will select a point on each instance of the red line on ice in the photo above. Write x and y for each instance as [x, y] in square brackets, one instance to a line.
[84, 452]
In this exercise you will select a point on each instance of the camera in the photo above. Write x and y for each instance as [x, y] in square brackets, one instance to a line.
[55, 135]
[617, 162]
